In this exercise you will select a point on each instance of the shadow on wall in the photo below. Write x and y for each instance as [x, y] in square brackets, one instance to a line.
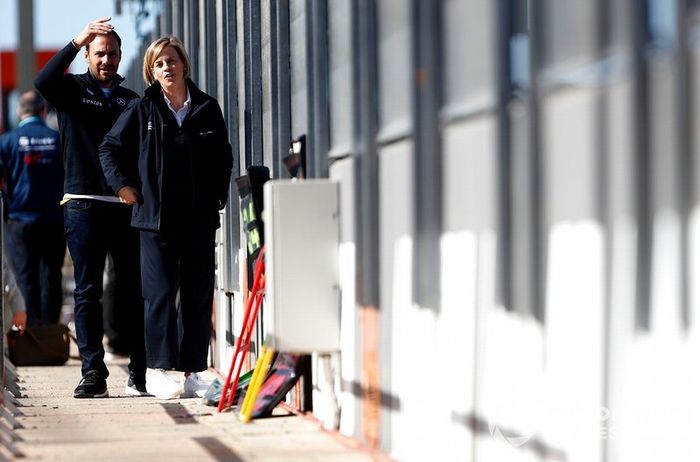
[479, 426]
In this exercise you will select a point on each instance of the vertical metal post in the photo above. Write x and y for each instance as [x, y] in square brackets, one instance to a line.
[366, 183]
[603, 34]
[207, 46]
[178, 22]
[229, 74]
[641, 147]
[166, 18]
[536, 43]
[427, 154]
[310, 90]
[365, 78]
[193, 41]
[506, 11]
[319, 107]
[685, 162]
[253, 84]
[277, 153]
[26, 62]
[282, 126]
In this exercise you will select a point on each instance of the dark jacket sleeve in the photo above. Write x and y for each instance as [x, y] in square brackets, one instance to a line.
[52, 81]
[226, 160]
[119, 150]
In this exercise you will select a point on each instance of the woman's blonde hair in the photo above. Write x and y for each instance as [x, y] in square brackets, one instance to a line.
[155, 49]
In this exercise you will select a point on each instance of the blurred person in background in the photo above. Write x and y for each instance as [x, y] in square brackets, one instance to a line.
[32, 174]
[14, 303]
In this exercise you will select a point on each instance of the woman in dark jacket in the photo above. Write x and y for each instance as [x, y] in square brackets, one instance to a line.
[168, 155]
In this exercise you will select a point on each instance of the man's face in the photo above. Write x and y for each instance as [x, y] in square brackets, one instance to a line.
[103, 56]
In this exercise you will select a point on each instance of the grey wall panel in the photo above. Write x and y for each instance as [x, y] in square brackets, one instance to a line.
[574, 240]
[395, 230]
[395, 67]
[667, 269]
[470, 54]
[340, 80]
[298, 70]
[620, 169]
[469, 172]
[570, 168]
[569, 31]
[343, 171]
[619, 24]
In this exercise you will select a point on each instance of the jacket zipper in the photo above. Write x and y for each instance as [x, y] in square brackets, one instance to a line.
[159, 146]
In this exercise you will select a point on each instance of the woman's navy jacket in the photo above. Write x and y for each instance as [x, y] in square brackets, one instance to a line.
[132, 154]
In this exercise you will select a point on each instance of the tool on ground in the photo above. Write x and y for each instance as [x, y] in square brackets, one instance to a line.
[243, 341]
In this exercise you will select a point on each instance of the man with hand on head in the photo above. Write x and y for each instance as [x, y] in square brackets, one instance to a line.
[96, 221]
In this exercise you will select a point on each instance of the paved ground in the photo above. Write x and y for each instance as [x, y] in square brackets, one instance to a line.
[55, 426]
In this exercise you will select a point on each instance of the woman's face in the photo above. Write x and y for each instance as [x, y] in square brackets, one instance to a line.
[168, 68]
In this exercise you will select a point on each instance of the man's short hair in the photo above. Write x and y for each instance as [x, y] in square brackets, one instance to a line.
[31, 103]
[113, 34]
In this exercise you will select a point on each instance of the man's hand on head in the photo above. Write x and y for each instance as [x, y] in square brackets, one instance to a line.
[93, 28]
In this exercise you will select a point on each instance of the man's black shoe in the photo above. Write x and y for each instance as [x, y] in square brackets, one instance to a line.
[92, 385]
[136, 385]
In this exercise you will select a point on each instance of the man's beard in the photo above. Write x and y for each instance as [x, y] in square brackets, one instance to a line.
[105, 78]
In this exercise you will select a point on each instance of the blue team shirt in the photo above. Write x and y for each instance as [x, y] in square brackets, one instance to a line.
[30, 158]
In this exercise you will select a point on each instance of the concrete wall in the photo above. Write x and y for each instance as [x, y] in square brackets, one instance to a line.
[569, 241]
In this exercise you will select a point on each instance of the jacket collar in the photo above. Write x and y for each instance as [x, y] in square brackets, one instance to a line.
[198, 96]
[29, 120]
[92, 81]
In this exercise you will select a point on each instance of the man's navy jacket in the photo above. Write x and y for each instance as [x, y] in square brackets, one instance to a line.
[30, 158]
[85, 115]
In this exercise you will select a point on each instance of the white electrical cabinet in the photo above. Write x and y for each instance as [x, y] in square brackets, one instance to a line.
[302, 293]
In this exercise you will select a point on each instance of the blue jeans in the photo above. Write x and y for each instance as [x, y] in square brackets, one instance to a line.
[94, 229]
[36, 252]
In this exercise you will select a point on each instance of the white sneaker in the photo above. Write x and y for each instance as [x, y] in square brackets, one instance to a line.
[195, 387]
[161, 385]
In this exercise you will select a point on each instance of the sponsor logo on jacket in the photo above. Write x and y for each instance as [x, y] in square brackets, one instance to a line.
[34, 147]
[93, 102]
